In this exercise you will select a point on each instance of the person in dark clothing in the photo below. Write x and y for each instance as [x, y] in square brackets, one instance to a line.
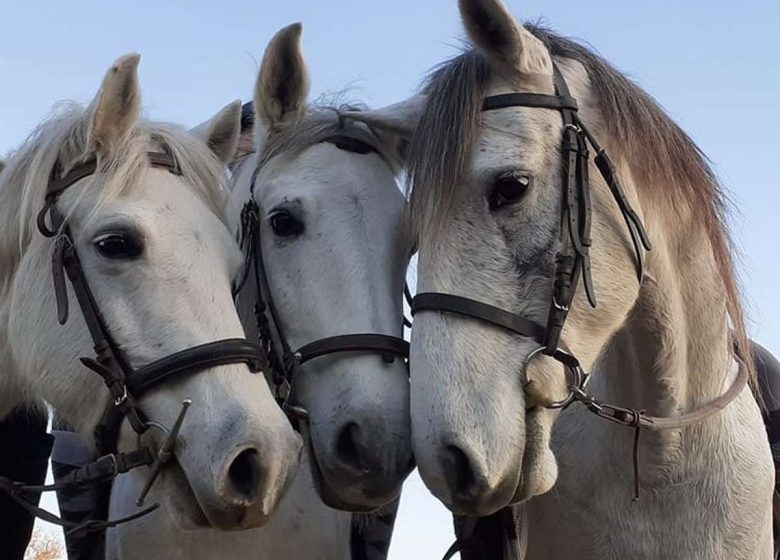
[77, 505]
[768, 371]
[24, 455]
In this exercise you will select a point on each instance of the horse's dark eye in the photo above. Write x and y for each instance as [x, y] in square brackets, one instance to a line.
[285, 224]
[508, 188]
[119, 246]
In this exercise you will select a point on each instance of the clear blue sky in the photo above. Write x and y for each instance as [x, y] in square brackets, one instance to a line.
[712, 64]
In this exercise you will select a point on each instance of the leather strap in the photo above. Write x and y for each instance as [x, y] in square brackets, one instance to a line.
[71, 527]
[638, 419]
[104, 468]
[352, 144]
[388, 346]
[193, 360]
[433, 301]
[58, 184]
[538, 100]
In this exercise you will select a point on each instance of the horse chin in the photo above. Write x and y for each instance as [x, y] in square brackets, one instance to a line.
[540, 469]
[359, 502]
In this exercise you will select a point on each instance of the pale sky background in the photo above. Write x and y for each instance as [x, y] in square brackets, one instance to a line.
[712, 64]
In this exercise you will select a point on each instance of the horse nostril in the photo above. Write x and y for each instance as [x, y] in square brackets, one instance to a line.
[458, 472]
[244, 475]
[347, 446]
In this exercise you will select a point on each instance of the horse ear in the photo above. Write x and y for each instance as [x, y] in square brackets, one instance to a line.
[246, 141]
[117, 105]
[283, 82]
[504, 42]
[394, 124]
[221, 132]
[400, 118]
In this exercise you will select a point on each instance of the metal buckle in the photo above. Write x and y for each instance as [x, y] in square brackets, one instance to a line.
[114, 465]
[558, 306]
[122, 399]
[295, 411]
[578, 379]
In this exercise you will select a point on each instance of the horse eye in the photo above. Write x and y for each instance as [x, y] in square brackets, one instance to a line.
[509, 187]
[285, 224]
[119, 246]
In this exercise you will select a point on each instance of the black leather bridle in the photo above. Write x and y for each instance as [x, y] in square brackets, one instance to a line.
[282, 361]
[572, 262]
[125, 383]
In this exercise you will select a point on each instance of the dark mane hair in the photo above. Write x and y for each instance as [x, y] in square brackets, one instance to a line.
[661, 155]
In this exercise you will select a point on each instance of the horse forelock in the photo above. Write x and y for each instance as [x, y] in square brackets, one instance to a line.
[320, 124]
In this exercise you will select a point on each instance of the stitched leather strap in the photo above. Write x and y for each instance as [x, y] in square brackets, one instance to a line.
[538, 100]
[434, 301]
[104, 468]
[637, 418]
[388, 346]
[192, 360]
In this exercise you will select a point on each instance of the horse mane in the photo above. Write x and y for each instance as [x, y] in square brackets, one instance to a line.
[65, 138]
[662, 156]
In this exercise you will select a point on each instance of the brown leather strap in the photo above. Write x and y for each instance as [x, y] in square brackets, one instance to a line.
[639, 419]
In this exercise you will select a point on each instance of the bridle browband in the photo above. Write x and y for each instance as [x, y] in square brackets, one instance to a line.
[125, 383]
[282, 361]
[572, 263]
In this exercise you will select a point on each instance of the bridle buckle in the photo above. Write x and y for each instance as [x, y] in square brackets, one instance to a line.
[560, 306]
[121, 399]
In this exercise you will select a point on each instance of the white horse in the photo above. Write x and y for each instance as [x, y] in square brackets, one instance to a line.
[487, 206]
[159, 258]
[334, 244]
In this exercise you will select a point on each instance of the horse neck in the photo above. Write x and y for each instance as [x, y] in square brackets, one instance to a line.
[673, 354]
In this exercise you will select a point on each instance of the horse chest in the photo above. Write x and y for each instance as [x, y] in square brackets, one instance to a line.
[686, 507]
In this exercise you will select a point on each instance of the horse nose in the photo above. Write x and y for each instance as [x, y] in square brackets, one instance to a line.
[350, 448]
[461, 474]
[244, 478]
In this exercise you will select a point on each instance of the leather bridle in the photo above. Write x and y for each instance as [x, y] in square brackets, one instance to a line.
[125, 383]
[572, 264]
[283, 362]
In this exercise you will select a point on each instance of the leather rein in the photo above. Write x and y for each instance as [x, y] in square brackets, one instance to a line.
[572, 265]
[283, 362]
[125, 383]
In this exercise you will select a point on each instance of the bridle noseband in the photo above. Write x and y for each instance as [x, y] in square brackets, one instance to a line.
[125, 383]
[572, 263]
[282, 361]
